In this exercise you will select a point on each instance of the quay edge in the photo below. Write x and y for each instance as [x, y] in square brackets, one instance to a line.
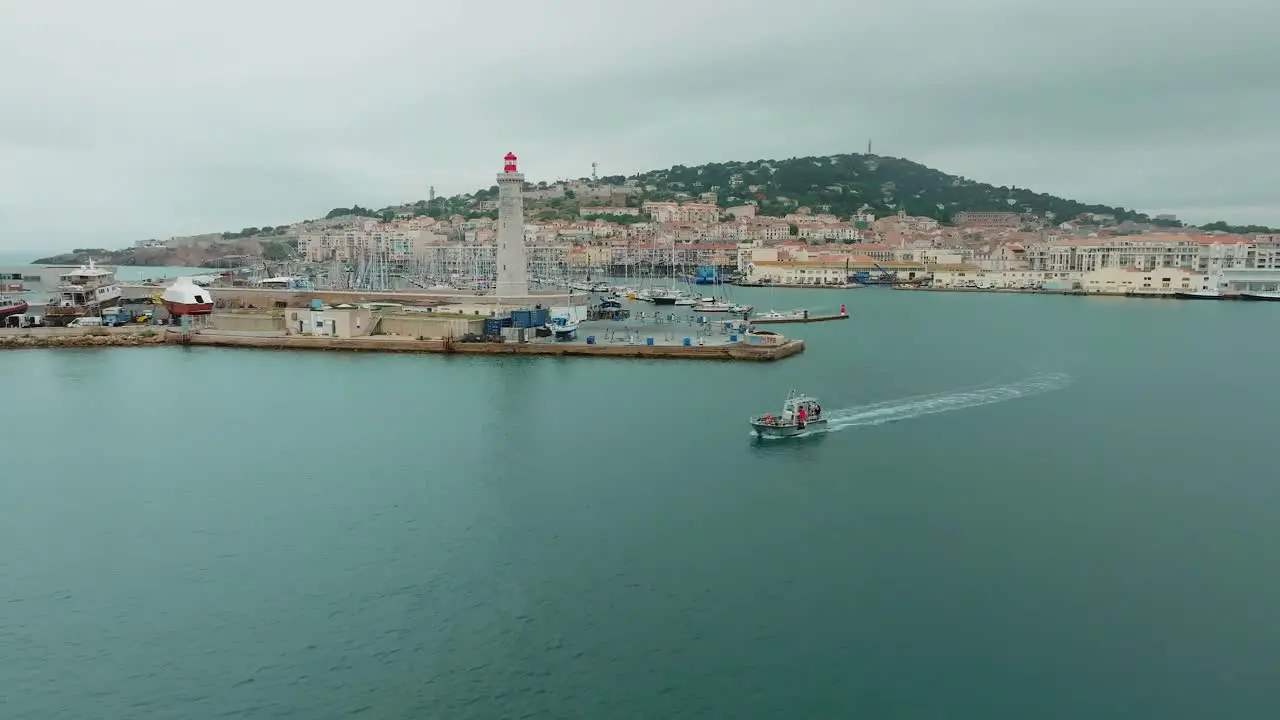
[791, 346]
[35, 338]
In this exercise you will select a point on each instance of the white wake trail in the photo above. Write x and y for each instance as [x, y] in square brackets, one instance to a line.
[908, 408]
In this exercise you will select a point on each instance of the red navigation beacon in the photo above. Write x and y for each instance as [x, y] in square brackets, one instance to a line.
[510, 165]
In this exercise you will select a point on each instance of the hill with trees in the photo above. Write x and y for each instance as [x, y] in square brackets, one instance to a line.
[844, 184]
[838, 184]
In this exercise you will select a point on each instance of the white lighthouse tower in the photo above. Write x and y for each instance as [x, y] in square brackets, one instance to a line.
[513, 273]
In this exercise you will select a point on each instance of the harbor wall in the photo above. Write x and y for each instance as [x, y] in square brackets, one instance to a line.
[14, 338]
[260, 298]
[246, 322]
[423, 325]
[401, 344]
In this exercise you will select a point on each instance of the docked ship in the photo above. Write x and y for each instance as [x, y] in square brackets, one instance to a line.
[82, 292]
[185, 297]
[1265, 296]
[1198, 295]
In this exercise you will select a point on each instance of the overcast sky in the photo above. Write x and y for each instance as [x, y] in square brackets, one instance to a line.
[128, 119]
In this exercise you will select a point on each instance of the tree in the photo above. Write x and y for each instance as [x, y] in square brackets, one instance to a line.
[569, 194]
[276, 251]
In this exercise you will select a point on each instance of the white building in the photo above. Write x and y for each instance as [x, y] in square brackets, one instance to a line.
[1202, 253]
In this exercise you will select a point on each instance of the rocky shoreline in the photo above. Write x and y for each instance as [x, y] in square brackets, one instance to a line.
[80, 340]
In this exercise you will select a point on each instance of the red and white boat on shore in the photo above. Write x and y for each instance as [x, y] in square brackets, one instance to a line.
[184, 297]
[11, 306]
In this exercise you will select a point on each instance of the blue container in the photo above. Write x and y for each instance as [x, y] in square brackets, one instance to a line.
[647, 341]
[316, 304]
[522, 318]
[493, 326]
[539, 317]
[591, 339]
[733, 338]
[687, 342]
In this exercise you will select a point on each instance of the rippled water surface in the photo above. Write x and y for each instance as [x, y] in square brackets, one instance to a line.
[1024, 507]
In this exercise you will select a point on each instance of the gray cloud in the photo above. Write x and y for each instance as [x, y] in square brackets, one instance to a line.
[142, 118]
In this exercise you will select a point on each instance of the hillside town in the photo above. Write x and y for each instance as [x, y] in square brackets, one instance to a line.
[808, 247]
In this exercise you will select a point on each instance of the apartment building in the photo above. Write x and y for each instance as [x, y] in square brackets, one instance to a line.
[675, 212]
[395, 241]
[989, 219]
[1199, 253]
[826, 232]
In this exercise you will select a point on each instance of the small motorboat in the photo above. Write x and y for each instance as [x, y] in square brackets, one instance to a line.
[799, 413]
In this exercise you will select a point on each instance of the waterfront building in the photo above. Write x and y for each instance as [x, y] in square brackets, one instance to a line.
[795, 266]
[1203, 253]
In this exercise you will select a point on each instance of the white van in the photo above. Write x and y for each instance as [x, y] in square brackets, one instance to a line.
[86, 322]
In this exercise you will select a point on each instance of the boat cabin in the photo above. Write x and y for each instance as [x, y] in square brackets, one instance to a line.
[812, 409]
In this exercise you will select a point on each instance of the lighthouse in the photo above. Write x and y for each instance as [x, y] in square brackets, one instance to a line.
[513, 274]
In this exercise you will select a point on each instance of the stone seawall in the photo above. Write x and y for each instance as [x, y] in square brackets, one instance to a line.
[392, 344]
[147, 336]
[82, 338]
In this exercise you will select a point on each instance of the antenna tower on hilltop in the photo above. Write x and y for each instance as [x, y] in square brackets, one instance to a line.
[594, 177]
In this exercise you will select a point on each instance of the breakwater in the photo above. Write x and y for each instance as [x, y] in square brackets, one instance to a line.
[151, 336]
[81, 337]
[375, 343]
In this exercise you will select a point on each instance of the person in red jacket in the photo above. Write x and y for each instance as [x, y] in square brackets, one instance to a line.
[801, 415]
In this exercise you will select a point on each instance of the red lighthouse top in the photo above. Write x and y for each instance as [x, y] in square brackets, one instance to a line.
[510, 165]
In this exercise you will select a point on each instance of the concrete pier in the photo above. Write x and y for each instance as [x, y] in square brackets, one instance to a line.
[144, 335]
[787, 348]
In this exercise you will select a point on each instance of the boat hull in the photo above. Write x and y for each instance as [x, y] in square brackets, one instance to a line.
[811, 318]
[179, 308]
[786, 429]
[17, 308]
[1254, 296]
[663, 300]
[1197, 296]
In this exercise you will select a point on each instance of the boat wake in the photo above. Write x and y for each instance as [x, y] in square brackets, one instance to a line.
[913, 407]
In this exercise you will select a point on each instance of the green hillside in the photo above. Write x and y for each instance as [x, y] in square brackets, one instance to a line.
[838, 184]
[846, 183]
